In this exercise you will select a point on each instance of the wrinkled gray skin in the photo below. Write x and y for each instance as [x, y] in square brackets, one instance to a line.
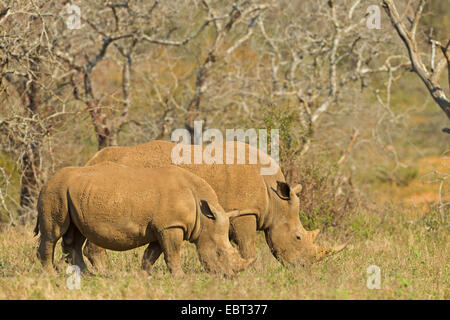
[121, 208]
[238, 186]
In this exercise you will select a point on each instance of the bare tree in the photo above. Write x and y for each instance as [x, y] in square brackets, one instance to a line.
[27, 73]
[309, 66]
[430, 77]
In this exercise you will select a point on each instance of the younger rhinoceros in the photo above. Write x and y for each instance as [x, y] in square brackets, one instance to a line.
[121, 208]
[275, 203]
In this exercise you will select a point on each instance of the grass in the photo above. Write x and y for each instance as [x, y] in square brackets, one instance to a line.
[411, 251]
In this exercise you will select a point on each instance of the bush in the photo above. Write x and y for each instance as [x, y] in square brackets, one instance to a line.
[326, 197]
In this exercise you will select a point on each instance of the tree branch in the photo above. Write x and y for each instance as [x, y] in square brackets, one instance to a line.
[408, 38]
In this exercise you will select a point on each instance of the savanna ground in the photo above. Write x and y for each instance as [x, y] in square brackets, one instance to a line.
[389, 193]
[411, 250]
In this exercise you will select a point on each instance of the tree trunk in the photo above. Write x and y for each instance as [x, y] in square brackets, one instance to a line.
[30, 160]
[29, 182]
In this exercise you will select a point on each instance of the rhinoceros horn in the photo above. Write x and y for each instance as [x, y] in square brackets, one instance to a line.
[340, 247]
[323, 252]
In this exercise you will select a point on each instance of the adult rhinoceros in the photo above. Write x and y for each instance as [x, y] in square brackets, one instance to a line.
[238, 186]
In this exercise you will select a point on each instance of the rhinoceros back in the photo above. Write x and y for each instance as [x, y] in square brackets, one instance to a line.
[238, 186]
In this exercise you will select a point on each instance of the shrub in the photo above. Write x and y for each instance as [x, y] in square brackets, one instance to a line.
[327, 196]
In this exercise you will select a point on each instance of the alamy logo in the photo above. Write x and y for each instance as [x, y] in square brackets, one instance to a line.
[374, 18]
[374, 279]
[74, 281]
[213, 152]
[73, 21]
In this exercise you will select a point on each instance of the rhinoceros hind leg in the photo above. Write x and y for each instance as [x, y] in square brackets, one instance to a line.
[151, 254]
[67, 244]
[170, 241]
[46, 251]
[95, 255]
[50, 234]
[75, 249]
[71, 244]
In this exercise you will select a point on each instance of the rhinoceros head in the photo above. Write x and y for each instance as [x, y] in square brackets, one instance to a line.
[289, 242]
[213, 245]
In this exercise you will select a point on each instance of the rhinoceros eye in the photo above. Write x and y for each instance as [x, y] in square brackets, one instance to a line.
[299, 238]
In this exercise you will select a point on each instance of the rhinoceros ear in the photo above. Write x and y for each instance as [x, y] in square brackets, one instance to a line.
[297, 189]
[206, 210]
[283, 190]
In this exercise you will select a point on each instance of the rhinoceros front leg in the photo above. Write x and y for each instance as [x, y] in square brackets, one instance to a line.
[151, 254]
[95, 255]
[170, 241]
[243, 233]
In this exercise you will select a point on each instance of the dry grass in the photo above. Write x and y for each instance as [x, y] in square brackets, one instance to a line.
[412, 253]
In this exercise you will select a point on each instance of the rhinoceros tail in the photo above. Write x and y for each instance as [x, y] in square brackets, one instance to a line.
[36, 228]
